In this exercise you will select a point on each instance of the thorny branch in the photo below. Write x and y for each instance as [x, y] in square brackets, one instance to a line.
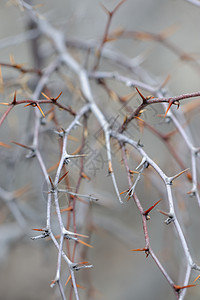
[90, 107]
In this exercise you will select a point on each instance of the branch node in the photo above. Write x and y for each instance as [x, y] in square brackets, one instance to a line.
[169, 220]
[144, 160]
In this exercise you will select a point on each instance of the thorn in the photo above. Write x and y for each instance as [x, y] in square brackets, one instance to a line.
[142, 163]
[163, 213]
[85, 176]
[45, 233]
[83, 263]
[80, 286]
[52, 185]
[127, 97]
[5, 103]
[70, 208]
[63, 177]
[140, 144]
[14, 99]
[38, 106]
[21, 145]
[170, 104]
[55, 99]
[118, 5]
[178, 287]
[126, 191]
[53, 283]
[196, 278]
[110, 169]
[191, 193]
[105, 9]
[84, 243]
[134, 172]
[33, 104]
[4, 145]
[138, 118]
[68, 279]
[146, 250]
[67, 232]
[125, 119]
[143, 98]
[139, 249]
[45, 96]
[170, 179]
[146, 212]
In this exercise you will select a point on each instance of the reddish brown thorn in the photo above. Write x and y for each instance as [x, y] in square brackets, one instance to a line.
[38, 229]
[52, 185]
[32, 104]
[170, 104]
[139, 249]
[110, 169]
[146, 250]
[132, 172]
[45, 96]
[21, 145]
[53, 282]
[149, 97]
[105, 9]
[192, 193]
[84, 243]
[164, 213]
[82, 235]
[189, 176]
[4, 145]
[70, 208]
[126, 191]
[110, 13]
[80, 286]
[61, 178]
[136, 117]
[83, 263]
[118, 5]
[196, 278]
[143, 98]
[125, 119]
[127, 97]
[5, 103]
[178, 287]
[68, 279]
[146, 212]
[38, 106]
[85, 176]
[14, 99]
[55, 99]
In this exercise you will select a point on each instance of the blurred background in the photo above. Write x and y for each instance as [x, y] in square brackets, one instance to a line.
[27, 267]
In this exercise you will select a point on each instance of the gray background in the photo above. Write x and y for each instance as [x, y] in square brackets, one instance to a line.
[28, 268]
